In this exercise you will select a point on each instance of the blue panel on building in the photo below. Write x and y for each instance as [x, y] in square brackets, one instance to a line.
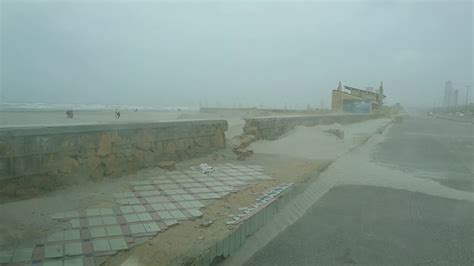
[356, 106]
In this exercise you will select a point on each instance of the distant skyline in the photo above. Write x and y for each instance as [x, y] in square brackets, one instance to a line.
[232, 52]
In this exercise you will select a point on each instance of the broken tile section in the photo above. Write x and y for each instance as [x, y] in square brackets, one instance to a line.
[22, 254]
[195, 212]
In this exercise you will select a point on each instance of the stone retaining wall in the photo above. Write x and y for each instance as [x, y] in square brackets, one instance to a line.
[103, 150]
[271, 128]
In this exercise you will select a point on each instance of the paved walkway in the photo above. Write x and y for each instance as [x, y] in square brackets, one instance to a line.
[148, 207]
[407, 214]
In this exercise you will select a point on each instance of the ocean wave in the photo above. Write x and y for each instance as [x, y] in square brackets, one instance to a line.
[5, 106]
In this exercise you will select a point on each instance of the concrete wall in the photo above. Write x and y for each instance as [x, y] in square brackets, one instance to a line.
[271, 128]
[247, 112]
[103, 150]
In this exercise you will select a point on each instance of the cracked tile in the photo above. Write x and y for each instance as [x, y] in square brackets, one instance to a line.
[128, 201]
[94, 221]
[144, 217]
[55, 237]
[106, 211]
[168, 186]
[75, 223]
[52, 263]
[186, 204]
[164, 215]
[100, 245]
[108, 220]
[170, 222]
[118, 244]
[71, 214]
[73, 249]
[177, 214]
[139, 208]
[169, 206]
[92, 212]
[74, 234]
[98, 232]
[188, 197]
[6, 255]
[124, 195]
[53, 251]
[177, 197]
[151, 227]
[195, 212]
[126, 209]
[114, 230]
[156, 199]
[142, 188]
[74, 262]
[22, 254]
[137, 228]
[158, 206]
[130, 218]
[149, 193]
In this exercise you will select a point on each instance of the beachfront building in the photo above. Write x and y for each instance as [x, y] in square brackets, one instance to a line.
[353, 100]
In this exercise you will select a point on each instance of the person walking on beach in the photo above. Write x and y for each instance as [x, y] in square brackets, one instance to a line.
[117, 114]
[69, 113]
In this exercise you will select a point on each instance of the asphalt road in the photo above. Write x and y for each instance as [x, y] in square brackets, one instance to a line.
[368, 225]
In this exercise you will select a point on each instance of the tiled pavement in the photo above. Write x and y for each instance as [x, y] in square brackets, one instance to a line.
[149, 207]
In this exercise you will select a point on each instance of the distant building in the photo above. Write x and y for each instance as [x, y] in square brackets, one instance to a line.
[455, 98]
[355, 100]
[448, 94]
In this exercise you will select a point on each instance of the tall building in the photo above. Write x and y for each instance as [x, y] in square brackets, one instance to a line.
[455, 98]
[448, 94]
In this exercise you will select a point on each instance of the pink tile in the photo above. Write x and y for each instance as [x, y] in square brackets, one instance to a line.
[126, 231]
[38, 252]
[87, 247]
[85, 234]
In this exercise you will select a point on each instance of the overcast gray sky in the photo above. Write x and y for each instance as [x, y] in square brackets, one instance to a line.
[294, 53]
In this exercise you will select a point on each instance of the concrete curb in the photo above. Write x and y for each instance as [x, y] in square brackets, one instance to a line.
[456, 120]
[290, 206]
[229, 245]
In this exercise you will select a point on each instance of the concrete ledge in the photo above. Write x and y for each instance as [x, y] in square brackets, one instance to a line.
[271, 128]
[62, 129]
[229, 245]
[95, 151]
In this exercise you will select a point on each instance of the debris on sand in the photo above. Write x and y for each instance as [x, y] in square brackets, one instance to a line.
[242, 141]
[205, 222]
[242, 154]
[204, 168]
[267, 197]
[167, 165]
[337, 132]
